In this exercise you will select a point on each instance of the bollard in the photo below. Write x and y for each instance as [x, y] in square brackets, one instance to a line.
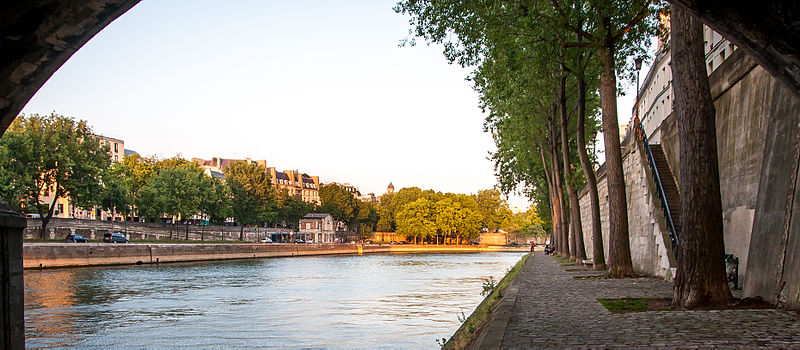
[12, 317]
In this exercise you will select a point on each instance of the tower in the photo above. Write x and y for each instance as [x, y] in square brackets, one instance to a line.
[390, 188]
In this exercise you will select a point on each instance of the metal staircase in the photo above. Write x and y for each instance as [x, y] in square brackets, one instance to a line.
[665, 186]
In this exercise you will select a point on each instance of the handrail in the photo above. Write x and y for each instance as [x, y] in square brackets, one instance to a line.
[642, 136]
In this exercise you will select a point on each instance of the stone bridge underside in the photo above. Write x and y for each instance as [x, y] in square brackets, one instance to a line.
[38, 36]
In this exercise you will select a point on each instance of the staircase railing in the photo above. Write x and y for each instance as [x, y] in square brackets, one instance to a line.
[642, 136]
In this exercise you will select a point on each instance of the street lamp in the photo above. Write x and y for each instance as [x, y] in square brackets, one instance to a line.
[637, 122]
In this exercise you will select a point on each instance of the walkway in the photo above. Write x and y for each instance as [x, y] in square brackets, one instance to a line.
[546, 307]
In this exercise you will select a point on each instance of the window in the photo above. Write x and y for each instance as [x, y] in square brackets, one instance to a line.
[115, 158]
[722, 55]
[60, 209]
[710, 66]
[116, 149]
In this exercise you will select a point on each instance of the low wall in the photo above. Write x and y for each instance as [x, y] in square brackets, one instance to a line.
[59, 228]
[42, 255]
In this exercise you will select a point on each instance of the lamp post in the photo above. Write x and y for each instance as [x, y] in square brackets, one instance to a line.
[637, 123]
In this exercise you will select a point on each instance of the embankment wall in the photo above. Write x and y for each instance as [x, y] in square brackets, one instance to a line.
[46, 255]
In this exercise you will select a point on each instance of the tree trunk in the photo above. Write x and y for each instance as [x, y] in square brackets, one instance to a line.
[559, 205]
[598, 255]
[619, 252]
[241, 233]
[701, 279]
[553, 201]
[45, 217]
[577, 248]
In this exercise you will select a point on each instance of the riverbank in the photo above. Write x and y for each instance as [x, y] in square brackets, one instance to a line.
[48, 255]
[553, 306]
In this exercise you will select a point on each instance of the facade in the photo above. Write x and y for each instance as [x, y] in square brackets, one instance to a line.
[297, 184]
[320, 227]
[218, 165]
[655, 94]
[369, 197]
[64, 207]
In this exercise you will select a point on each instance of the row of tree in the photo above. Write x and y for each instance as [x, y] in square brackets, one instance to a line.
[54, 156]
[57, 157]
[545, 70]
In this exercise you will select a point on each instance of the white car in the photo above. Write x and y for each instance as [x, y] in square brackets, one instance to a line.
[266, 240]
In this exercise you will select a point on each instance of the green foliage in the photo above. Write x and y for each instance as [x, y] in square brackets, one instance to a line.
[292, 209]
[335, 200]
[254, 198]
[493, 208]
[525, 225]
[50, 154]
[416, 219]
[177, 192]
[216, 201]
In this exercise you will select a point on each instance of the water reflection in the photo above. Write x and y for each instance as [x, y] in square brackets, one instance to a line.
[389, 301]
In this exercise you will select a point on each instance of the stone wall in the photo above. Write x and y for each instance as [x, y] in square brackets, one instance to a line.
[46, 255]
[651, 253]
[59, 228]
[743, 96]
[759, 161]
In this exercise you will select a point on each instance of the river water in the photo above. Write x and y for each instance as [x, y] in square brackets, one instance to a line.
[371, 301]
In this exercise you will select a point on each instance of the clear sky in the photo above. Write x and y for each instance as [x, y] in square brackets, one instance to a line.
[318, 86]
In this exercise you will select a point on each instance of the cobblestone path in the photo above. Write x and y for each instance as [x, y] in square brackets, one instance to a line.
[555, 310]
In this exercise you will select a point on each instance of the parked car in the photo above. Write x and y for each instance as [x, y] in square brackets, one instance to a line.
[310, 241]
[76, 239]
[266, 240]
[299, 241]
[114, 237]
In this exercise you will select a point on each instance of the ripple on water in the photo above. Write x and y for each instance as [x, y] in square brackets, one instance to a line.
[370, 301]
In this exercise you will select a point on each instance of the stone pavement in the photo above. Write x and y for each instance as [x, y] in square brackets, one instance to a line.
[546, 307]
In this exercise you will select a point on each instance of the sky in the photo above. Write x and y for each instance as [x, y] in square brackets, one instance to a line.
[317, 86]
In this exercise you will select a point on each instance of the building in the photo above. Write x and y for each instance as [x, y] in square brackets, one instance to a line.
[218, 165]
[390, 188]
[319, 227]
[655, 94]
[369, 197]
[297, 184]
[64, 207]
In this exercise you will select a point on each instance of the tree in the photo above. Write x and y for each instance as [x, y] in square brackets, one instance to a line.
[177, 192]
[253, 196]
[51, 155]
[416, 220]
[367, 217]
[115, 196]
[492, 208]
[335, 200]
[215, 201]
[292, 209]
[614, 29]
[701, 279]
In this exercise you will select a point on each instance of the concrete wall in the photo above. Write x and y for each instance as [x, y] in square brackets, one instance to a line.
[45, 255]
[59, 228]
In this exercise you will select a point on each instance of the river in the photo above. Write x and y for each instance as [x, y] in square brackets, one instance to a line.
[371, 301]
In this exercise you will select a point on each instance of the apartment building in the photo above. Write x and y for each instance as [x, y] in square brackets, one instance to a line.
[655, 94]
[297, 184]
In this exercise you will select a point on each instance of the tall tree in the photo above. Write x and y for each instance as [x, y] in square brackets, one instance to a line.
[335, 200]
[416, 220]
[701, 278]
[254, 197]
[51, 156]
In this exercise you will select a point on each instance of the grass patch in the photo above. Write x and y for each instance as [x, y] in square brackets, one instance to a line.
[589, 277]
[625, 305]
[480, 317]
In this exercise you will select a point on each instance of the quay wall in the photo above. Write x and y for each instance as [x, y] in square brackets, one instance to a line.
[58, 228]
[46, 255]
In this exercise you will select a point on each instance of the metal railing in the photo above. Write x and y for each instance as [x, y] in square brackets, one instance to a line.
[673, 233]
